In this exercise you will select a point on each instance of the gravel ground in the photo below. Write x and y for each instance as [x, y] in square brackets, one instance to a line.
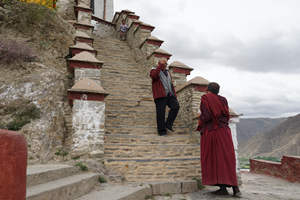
[255, 186]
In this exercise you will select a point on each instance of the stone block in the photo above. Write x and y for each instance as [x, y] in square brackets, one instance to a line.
[166, 188]
[189, 186]
[139, 194]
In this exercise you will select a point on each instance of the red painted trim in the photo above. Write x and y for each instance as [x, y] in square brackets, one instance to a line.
[82, 26]
[90, 96]
[89, 41]
[181, 70]
[77, 9]
[154, 42]
[147, 27]
[200, 88]
[134, 17]
[82, 64]
[75, 51]
[161, 55]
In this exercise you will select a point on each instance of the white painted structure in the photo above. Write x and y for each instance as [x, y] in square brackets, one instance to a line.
[88, 124]
[104, 9]
[232, 124]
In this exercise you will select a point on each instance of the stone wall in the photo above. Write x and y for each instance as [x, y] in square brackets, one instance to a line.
[288, 168]
[189, 100]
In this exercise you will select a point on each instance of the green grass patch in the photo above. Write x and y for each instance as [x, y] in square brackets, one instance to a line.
[23, 116]
[274, 159]
[102, 179]
[81, 166]
[199, 183]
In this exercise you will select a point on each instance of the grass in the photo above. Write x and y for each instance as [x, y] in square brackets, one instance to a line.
[23, 116]
[29, 17]
[61, 152]
[245, 162]
[199, 183]
[102, 179]
[82, 166]
[274, 159]
[149, 197]
[75, 157]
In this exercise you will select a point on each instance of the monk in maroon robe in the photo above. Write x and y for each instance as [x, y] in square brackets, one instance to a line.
[217, 152]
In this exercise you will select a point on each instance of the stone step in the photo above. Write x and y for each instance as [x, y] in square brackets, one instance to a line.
[149, 139]
[119, 192]
[38, 174]
[168, 169]
[140, 129]
[147, 151]
[67, 188]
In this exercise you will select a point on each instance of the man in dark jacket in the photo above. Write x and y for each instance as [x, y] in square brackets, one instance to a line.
[164, 95]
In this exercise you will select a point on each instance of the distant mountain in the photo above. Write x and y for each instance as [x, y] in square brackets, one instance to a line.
[249, 127]
[283, 139]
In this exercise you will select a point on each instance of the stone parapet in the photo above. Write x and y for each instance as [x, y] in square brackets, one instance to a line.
[82, 12]
[84, 59]
[83, 38]
[122, 15]
[84, 26]
[130, 34]
[81, 47]
[179, 72]
[103, 28]
[150, 45]
[189, 98]
[157, 55]
[288, 168]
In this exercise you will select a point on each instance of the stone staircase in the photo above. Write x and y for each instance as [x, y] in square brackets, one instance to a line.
[132, 146]
[58, 182]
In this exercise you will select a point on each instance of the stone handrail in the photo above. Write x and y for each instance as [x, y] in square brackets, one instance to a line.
[102, 21]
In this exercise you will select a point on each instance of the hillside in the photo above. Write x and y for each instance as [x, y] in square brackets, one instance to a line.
[283, 139]
[33, 43]
[249, 127]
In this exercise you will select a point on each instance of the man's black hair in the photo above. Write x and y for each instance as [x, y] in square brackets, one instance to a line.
[213, 87]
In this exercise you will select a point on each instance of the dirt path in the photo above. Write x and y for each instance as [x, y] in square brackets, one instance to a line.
[255, 187]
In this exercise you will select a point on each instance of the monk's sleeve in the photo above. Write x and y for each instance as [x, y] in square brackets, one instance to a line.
[206, 115]
[226, 108]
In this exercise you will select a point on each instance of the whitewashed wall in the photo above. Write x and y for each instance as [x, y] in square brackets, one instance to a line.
[232, 125]
[88, 125]
[99, 9]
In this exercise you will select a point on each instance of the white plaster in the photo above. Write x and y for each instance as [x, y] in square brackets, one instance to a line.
[99, 9]
[88, 125]
[232, 125]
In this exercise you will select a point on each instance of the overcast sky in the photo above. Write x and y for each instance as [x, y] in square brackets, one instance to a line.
[250, 47]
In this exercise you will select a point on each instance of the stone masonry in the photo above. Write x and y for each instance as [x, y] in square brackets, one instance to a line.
[122, 125]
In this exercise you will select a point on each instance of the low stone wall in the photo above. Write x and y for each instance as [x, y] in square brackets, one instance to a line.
[13, 155]
[288, 168]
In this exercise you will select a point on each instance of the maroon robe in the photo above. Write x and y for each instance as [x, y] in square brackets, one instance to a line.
[217, 152]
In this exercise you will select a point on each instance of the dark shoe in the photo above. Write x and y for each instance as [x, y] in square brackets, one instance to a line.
[221, 192]
[171, 129]
[236, 191]
[162, 133]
